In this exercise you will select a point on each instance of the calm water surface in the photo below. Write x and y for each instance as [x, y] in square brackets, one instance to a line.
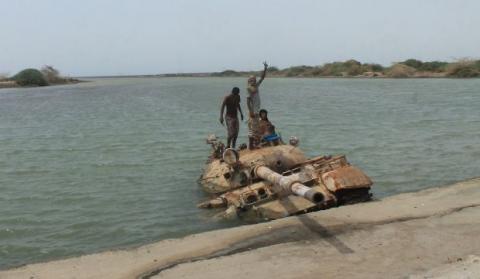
[113, 163]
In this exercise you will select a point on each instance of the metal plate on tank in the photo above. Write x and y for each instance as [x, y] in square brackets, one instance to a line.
[348, 177]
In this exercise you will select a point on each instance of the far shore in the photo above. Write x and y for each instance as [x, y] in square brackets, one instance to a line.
[210, 75]
[410, 68]
[31, 77]
[13, 84]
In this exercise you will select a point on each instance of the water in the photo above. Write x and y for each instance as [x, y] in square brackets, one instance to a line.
[113, 163]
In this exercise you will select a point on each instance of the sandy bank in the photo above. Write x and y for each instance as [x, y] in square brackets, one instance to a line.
[13, 84]
[8, 84]
[414, 234]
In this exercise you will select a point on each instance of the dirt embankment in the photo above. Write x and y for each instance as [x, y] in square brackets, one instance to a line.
[8, 84]
[429, 234]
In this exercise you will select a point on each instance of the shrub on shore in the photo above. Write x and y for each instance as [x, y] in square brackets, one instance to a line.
[298, 71]
[414, 63]
[432, 66]
[372, 68]
[273, 69]
[52, 75]
[227, 73]
[464, 69]
[400, 70]
[3, 77]
[354, 68]
[348, 68]
[30, 77]
[476, 64]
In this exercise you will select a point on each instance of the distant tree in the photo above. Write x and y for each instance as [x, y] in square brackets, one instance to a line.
[226, 73]
[354, 70]
[273, 69]
[298, 71]
[400, 70]
[31, 77]
[477, 64]
[333, 69]
[434, 66]
[376, 67]
[414, 63]
[352, 62]
[51, 74]
[463, 69]
[3, 77]
[317, 71]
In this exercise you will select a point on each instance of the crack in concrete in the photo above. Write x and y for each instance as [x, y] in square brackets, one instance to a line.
[289, 234]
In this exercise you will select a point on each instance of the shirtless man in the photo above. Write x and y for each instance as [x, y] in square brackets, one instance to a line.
[253, 104]
[232, 102]
[267, 129]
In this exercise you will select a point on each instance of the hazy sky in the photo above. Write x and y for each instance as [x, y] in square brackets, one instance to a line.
[110, 37]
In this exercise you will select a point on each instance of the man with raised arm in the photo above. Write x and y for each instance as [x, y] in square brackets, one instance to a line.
[253, 104]
[232, 102]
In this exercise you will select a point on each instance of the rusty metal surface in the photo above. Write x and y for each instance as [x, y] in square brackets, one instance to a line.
[275, 182]
[288, 184]
[348, 177]
[279, 158]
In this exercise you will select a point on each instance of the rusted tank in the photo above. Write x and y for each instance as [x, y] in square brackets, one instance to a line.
[278, 181]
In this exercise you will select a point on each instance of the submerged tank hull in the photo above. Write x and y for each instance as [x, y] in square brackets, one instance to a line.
[278, 181]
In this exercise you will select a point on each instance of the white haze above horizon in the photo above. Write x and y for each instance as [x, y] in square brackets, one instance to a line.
[107, 37]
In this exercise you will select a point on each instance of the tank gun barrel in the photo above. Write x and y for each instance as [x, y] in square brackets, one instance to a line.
[289, 184]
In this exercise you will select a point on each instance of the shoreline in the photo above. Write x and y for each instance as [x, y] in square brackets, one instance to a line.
[13, 84]
[274, 77]
[410, 68]
[406, 234]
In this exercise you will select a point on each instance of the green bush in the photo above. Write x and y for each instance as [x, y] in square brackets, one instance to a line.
[372, 68]
[226, 73]
[30, 77]
[352, 62]
[434, 66]
[334, 69]
[400, 70]
[316, 71]
[272, 69]
[298, 71]
[348, 68]
[52, 75]
[477, 64]
[414, 63]
[463, 70]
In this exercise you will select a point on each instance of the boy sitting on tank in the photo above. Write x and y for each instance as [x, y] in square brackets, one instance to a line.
[267, 130]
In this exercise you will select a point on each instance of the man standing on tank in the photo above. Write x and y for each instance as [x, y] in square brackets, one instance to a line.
[253, 104]
[232, 102]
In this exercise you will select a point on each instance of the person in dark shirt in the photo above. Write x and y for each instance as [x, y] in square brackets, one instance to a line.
[232, 103]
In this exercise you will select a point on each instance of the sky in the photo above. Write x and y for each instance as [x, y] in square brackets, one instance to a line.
[127, 37]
